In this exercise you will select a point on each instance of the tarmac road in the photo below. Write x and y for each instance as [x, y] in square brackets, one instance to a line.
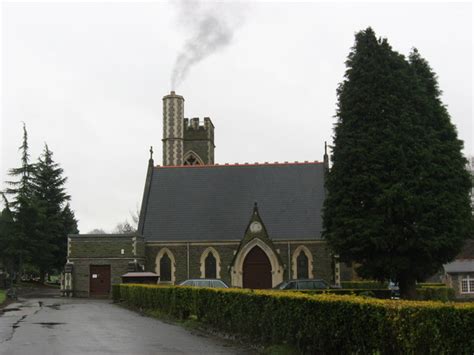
[86, 326]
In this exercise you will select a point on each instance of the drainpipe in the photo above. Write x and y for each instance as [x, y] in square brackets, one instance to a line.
[187, 259]
[289, 261]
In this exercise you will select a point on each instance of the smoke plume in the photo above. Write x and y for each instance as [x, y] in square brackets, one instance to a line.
[210, 27]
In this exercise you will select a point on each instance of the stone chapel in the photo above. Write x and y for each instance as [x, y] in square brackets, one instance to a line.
[251, 225]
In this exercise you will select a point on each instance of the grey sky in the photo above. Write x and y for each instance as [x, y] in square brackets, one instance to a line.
[88, 79]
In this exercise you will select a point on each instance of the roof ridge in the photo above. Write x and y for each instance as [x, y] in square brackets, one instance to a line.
[241, 164]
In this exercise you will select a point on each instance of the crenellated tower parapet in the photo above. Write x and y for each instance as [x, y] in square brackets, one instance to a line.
[198, 141]
[185, 141]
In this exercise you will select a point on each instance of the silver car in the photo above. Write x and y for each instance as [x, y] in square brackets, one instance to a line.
[204, 283]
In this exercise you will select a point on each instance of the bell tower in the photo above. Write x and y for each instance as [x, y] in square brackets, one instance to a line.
[173, 119]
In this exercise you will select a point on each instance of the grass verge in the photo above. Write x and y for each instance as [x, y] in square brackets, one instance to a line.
[3, 296]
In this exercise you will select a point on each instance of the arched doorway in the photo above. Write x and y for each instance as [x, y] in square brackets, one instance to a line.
[257, 270]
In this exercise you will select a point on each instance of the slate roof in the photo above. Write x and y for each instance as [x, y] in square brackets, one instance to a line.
[459, 266]
[216, 202]
[464, 261]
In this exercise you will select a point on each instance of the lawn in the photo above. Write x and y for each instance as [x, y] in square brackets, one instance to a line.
[2, 296]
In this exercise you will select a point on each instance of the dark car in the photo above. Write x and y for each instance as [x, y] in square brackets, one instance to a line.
[303, 284]
[215, 283]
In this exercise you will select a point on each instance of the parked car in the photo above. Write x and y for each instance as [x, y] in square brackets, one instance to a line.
[303, 284]
[204, 283]
[395, 290]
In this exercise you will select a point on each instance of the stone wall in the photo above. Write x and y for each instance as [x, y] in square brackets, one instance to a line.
[199, 139]
[180, 252]
[454, 281]
[116, 250]
[322, 261]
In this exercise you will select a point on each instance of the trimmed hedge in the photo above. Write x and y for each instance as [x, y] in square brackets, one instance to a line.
[430, 284]
[435, 293]
[323, 324]
[369, 292]
[425, 291]
[366, 285]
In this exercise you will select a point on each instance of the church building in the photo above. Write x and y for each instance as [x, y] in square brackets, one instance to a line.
[251, 225]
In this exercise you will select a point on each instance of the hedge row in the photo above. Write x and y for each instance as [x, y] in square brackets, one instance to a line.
[323, 324]
[366, 285]
[432, 293]
[435, 293]
[369, 292]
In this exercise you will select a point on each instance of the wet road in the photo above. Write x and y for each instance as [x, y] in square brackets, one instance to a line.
[84, 326]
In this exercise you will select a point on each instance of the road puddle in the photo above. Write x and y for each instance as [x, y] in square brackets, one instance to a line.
[54, 306]
[49, 325]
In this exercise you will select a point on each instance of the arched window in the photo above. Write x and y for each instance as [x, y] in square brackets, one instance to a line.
[302, 263]
[210, 265]
[165, 268]
[191, 160]
[302, 266]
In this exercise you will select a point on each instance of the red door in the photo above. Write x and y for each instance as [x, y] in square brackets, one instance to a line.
[257, 269]
[99, 280]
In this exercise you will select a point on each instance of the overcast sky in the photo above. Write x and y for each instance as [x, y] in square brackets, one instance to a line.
[88, 79]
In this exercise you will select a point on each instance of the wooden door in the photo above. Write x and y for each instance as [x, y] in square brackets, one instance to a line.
[257, 269]
[99, 280]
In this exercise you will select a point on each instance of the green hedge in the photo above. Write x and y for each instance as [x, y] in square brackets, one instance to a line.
[430, 284]
[425, 291]
[369, 292]
[435, 293]
[366, 285]
[323, 324]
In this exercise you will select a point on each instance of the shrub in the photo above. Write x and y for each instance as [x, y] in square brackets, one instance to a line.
[369, 292]
[364, 285]
[430, 284]
[435, 293]
[324, 323]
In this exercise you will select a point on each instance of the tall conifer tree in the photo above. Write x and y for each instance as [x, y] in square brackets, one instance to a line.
[8, 252]
[397, 201]
[49, 190]
[69, 224]
[26, 212]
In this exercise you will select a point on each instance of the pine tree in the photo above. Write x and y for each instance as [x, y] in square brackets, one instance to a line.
[24, 208]
[49, 190]
[8, 252]
[389, 207]
[69, 224]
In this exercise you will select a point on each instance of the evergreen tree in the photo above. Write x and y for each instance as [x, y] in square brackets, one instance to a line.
[397, 201]
[69, 224]
[8, 252]
[49, 190]
[24, 208]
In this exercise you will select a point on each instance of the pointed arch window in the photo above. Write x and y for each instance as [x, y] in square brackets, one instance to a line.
[302, 266]
[191, 160]
[210, 264]
[165, 268]
[210, 267]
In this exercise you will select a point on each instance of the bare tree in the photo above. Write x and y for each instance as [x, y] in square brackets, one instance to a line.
[124, 227]
[97, 231]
